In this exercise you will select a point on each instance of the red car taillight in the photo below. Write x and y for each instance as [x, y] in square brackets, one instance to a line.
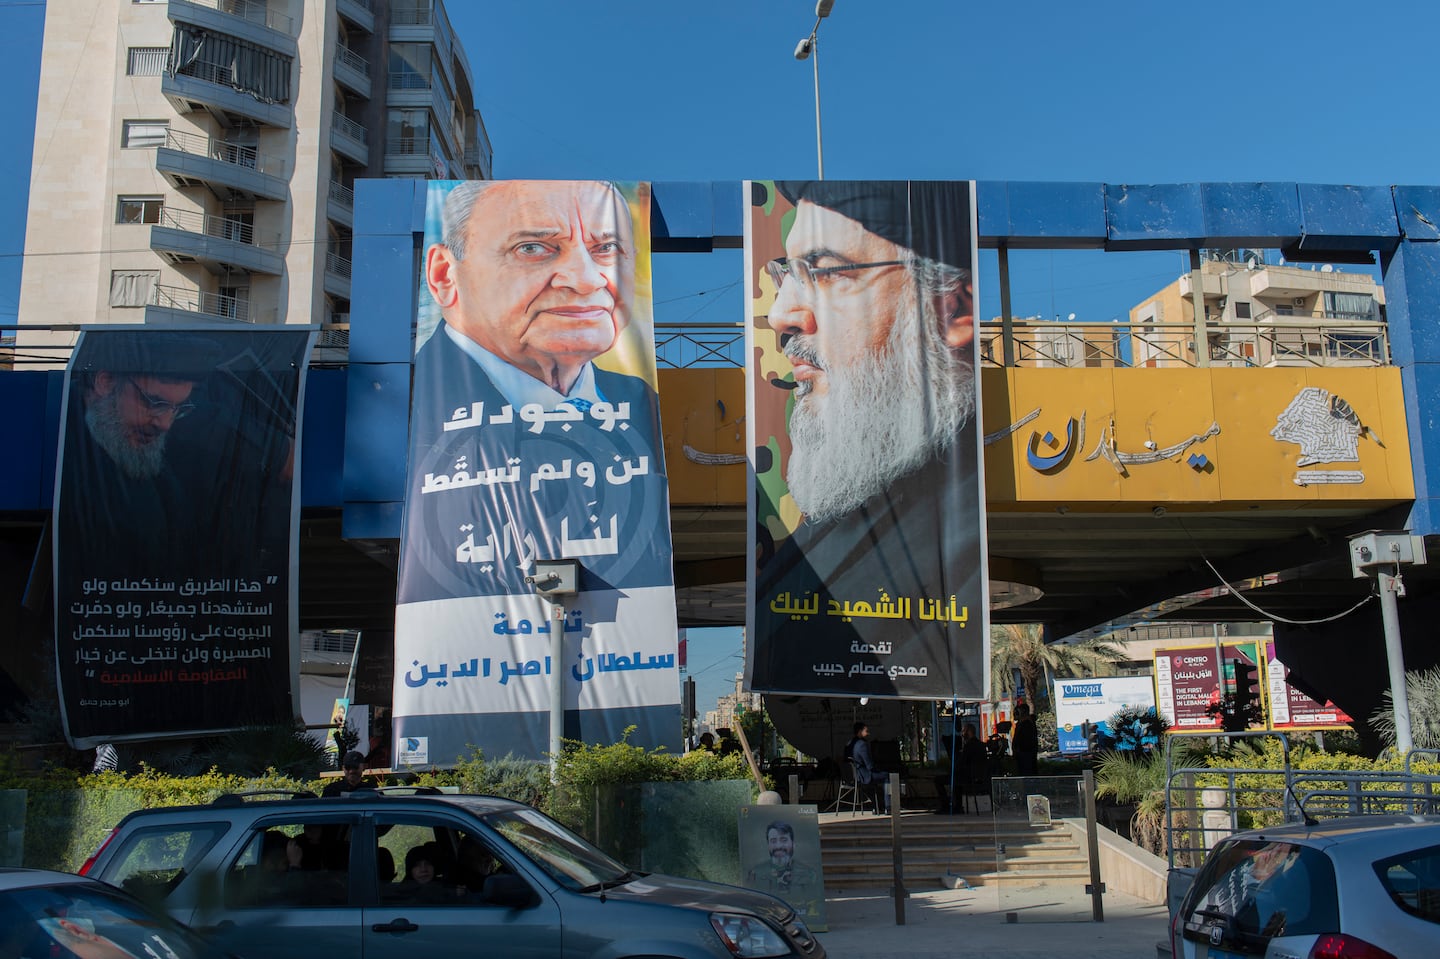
[1337, 945]
[85, 869]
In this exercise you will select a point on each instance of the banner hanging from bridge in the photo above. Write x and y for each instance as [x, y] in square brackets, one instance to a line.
[175, 523]
[867, 510]
[534, 435]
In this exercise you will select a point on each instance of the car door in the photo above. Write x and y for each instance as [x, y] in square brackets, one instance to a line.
[286, 890]
[441, 909]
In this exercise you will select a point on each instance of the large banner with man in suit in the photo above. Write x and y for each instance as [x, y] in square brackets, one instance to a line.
[868, 504]
[534, 436]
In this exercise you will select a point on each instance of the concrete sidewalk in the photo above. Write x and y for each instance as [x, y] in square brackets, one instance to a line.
[971, 924]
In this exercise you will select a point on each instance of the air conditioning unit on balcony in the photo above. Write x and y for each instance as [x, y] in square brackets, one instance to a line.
[1299, 301]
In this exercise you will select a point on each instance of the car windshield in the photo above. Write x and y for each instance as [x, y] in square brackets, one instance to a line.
[1251, 891]
[89, 921]
[568, 859]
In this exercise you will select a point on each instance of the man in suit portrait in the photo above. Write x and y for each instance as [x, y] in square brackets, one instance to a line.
[534, 280]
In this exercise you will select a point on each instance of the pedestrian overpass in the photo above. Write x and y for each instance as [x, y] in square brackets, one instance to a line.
[1183, 469]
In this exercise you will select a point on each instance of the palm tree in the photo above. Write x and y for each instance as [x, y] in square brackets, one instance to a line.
[1021, 647]
[1422, 689]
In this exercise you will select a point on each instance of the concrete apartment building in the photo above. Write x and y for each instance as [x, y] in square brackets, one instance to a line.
[195, 160]
[1262, 314]
[1255, 314]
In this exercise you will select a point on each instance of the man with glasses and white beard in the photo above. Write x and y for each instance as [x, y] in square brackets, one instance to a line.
[124, 503]
[874, 310]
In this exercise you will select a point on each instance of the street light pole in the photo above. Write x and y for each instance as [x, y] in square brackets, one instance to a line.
[809, 49]
[553, 580]
[1380, 555]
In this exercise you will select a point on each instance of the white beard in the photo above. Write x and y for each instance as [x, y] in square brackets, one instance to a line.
[102, 418]
[879, 419]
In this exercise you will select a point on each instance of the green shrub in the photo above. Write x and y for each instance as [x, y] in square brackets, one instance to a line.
[68, 814]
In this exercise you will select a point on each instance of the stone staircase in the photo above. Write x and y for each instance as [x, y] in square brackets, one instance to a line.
[938, 850]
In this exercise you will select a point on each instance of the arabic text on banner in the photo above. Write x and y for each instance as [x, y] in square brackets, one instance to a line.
[868, 515]
[175, 532]
[513, 462]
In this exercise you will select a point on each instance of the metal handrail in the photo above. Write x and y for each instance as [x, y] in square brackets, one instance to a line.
[408, 146]
[1281, 341]
[198, 301]
[221, 227]
[351, 59]
[342, 194]
[411, 14]
[348, 127]
[226, 151]
[408, 81]
[1290, 793]
[252, 11]
[337, 264]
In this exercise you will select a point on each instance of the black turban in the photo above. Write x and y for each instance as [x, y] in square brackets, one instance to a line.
[929, 217]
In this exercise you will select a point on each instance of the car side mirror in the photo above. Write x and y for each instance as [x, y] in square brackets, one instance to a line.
[509, 890]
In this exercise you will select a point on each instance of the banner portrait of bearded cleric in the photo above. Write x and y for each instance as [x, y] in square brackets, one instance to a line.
[868, 509]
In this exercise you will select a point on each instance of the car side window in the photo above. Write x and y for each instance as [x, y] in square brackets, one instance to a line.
[300, 863]
[1413, 882]
[428, 861]
[153, 861]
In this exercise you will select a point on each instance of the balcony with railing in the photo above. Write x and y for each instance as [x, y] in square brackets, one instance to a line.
[220, 244]
[340, 204]
[188, 159]
[253, 20]
[406, 13]
[360, 13]
[409, 155]
[409, 90]
[352, 71]
[350, 139]
[337, 274]
[214, 88]
[174, 304]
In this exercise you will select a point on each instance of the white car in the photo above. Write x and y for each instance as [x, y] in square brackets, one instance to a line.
[1363, 887]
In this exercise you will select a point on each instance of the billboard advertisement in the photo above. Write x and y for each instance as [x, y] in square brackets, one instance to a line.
[1292, 709]
[867, 507]
[534, 436]
[1094, 701]
[1202, 688]
[175, 522]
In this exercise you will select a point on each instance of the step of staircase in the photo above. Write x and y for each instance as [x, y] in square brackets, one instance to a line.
[937, 850]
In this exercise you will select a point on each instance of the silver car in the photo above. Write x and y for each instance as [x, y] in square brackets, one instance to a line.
[48, 914]
[1364, 887]
[377, 876]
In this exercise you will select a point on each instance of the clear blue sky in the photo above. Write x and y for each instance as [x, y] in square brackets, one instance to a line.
[1126, 91]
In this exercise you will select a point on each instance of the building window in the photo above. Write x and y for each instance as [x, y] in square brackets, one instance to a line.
[142, 134]
[1242, 310]
[408, 132]
[139, 209]
[1350, 306]
[146, 61]
[132, 287]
